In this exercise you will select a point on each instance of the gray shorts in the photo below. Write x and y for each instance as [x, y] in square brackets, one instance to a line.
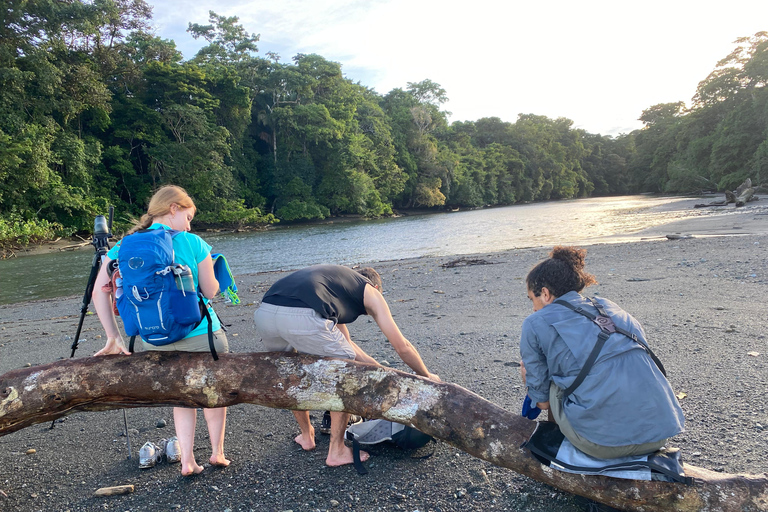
[285, 329]
[197, 343]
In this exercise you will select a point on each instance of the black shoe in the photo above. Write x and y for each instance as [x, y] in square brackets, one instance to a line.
[325, 425]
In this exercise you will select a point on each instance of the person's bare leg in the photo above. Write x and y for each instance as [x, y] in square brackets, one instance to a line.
[307, 437]
[339, 453]
[184, 419]
[216, 419]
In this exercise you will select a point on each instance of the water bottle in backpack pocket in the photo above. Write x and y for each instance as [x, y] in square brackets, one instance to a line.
[185, 301]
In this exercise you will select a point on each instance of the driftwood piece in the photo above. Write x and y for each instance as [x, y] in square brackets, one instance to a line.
[114, 491]
[713, 203]
[745, 196]
[743, 187]
[445, 411]
[741, 196]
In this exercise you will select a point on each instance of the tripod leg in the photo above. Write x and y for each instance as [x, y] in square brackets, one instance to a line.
[127, 435]
[95, 267]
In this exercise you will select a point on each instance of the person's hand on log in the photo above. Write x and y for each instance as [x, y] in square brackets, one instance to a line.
[114, 346]
[435, 377]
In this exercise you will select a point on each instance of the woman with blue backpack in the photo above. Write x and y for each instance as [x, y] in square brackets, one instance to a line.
[165, 228]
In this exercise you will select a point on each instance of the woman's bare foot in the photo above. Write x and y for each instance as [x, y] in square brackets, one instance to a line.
[219, 460]
[345, 457]
[307, 443]
[192, 469]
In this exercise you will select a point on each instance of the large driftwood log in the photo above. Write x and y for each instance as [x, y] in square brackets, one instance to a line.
[741, 196]
[445, 411]
[745, 196]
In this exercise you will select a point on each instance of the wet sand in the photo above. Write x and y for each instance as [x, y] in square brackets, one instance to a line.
[700, 299]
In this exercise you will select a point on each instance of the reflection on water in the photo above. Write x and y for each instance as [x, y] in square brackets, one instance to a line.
[284, 248]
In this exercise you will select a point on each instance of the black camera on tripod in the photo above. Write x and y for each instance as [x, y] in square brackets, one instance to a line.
[102, 230]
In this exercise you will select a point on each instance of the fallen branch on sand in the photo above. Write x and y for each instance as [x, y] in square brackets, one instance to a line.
[446, 411]
[465, 262]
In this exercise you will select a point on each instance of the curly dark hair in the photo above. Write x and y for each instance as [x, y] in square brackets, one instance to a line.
[561, 273]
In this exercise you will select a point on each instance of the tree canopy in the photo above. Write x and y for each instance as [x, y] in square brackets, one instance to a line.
[95, 110]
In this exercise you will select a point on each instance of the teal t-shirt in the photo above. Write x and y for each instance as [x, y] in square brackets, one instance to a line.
[188, 249]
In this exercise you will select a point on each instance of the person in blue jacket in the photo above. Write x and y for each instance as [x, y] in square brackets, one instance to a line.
[624, 406]
[172, 208]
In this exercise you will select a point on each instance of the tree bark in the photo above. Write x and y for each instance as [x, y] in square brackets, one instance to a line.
[745, 196]
[445, 411]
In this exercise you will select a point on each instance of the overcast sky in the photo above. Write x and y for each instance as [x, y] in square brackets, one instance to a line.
[598, 63]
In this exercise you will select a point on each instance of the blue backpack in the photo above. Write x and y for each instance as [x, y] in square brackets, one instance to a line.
[159, 301]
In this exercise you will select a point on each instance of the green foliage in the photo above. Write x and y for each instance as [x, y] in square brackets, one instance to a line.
[16, 231]
[95, 110]
[232, 213]
[297, 209]
[719, 142]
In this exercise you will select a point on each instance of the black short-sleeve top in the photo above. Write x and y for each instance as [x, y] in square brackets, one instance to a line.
[334, 291]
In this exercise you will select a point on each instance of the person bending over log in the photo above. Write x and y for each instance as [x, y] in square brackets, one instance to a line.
[624, 405]
[308, 311]
[172, 208]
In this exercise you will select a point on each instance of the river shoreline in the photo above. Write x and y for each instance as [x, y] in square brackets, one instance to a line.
[77, 243]
[700, 299]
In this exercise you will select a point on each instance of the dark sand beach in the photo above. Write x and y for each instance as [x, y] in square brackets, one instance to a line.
[701, 300]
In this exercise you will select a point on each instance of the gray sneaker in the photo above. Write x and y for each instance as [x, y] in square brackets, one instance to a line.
[172, 450]
[149, 455]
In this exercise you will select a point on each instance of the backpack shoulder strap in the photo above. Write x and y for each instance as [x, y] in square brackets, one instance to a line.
[601, 339]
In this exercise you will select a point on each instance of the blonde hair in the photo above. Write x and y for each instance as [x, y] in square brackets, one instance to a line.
[160, 205]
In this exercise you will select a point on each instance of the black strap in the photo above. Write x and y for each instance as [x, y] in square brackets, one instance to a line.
[356, 461]
[130, 344]
[601, 339]
[210, 334]
[607, 327]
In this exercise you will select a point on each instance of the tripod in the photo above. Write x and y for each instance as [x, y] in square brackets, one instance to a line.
[102, 232]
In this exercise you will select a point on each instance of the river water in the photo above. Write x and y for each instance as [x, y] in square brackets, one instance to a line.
[580, 221]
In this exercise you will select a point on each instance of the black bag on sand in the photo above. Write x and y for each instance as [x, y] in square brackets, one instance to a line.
[370, 432]
[665, 465]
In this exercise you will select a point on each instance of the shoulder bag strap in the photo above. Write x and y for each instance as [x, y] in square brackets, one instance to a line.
[631, 336]
[601, 339]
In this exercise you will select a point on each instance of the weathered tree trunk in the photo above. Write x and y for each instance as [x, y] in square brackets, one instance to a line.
[745, 196]
[445, 411]
[741, 196]
[743, 187]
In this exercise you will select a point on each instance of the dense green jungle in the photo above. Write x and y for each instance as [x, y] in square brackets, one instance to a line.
[97, 111]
